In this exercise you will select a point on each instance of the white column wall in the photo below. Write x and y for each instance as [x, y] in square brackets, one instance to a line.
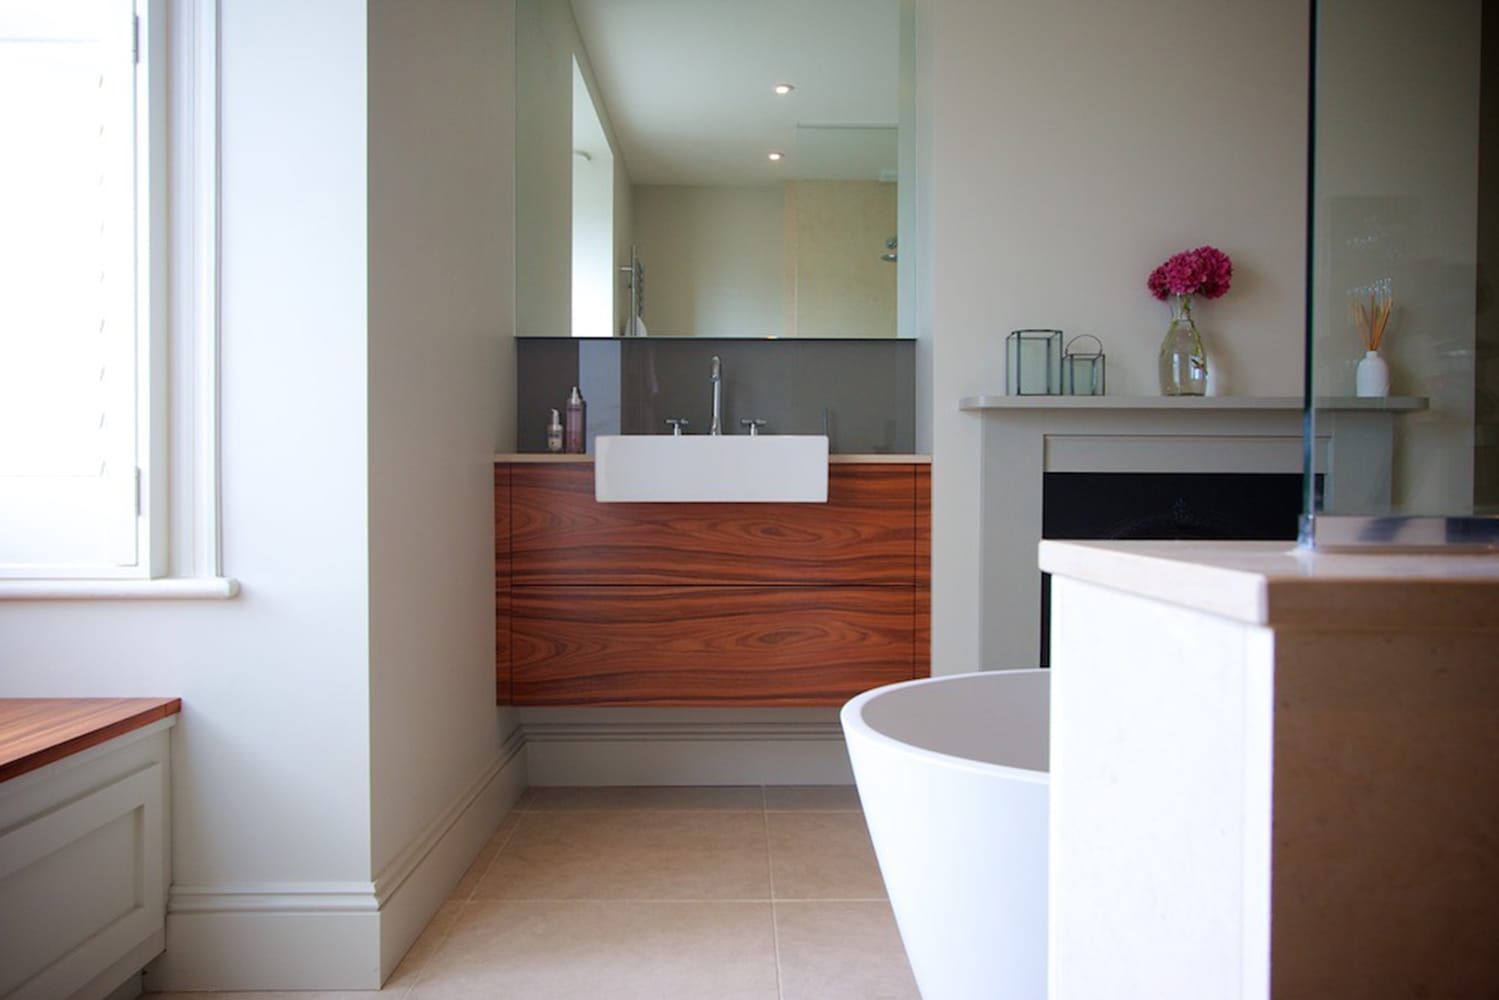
[1065, 149]
[440, 294]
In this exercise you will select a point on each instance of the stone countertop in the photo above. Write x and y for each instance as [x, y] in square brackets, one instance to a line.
[1277, 584]
[521, 457]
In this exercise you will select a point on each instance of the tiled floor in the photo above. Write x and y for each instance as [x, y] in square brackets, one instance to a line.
[666, 893]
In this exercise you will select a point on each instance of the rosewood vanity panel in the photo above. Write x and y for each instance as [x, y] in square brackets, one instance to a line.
[708, 645]
[502, 685]
[863, 535]
[921, 661]
[723, 604]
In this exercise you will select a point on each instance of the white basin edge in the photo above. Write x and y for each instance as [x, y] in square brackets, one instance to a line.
[656, 468]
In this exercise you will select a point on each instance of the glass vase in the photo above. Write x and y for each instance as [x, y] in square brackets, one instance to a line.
[1184, 364]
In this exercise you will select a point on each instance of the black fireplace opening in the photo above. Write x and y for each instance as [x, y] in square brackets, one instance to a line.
[1217, 506]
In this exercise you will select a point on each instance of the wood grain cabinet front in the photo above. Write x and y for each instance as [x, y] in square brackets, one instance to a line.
[709, 604]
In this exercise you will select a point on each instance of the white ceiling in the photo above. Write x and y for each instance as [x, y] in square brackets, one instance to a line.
[687, 85]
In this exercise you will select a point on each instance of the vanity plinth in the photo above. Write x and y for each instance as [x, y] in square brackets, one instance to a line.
[1272, 772]
[709, 604]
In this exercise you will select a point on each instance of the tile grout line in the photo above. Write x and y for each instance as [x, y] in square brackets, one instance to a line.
[770, 878]
[416, 979]
[509, 835]
[521, 808]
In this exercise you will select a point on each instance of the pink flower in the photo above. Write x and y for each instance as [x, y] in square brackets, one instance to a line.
[1205, 271]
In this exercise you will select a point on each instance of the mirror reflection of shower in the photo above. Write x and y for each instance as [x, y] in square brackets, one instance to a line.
[891, 255]
[634, 325]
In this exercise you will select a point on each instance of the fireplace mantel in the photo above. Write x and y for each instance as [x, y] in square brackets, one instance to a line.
[1024, 437]
[1193, 404]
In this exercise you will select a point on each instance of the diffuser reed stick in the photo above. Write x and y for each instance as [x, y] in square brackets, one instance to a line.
[1373, 320]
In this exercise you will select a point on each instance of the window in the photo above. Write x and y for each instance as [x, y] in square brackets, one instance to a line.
[90, 411]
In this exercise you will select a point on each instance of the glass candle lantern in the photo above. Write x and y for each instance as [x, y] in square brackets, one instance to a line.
[1083, 371]
[1033, 363]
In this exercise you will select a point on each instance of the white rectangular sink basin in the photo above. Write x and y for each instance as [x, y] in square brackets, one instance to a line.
[702, 468]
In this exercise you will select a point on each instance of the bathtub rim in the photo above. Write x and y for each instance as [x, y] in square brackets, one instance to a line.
[851, 716]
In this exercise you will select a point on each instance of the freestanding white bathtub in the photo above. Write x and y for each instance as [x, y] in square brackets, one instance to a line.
[952, 773]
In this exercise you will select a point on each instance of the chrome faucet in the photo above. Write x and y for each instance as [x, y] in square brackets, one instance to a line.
[717, 426]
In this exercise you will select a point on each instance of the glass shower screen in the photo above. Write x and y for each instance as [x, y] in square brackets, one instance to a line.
[1402, 361]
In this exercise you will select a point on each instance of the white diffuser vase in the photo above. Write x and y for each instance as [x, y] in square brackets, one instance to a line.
[1372, 376]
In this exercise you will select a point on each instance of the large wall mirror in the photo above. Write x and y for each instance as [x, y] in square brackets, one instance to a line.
[648, 202]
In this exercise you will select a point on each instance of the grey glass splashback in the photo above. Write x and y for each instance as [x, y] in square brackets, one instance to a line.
[862, 393]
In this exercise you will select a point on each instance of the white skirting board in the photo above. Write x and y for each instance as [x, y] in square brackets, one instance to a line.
[351, 935]
[720, 747]
[332, 935]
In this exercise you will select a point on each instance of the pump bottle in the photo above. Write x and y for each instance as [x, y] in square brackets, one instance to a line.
[574, 439]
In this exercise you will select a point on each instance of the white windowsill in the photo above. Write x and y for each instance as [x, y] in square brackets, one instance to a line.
[209, 588]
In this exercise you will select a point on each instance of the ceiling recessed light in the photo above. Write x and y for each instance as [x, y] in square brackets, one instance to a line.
[784, 88]
[776, 156]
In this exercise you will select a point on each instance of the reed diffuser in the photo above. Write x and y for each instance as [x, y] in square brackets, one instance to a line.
[1372, 376]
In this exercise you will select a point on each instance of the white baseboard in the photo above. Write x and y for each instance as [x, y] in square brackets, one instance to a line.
[278, 941]
[132, 987]
[351, 935]
[332, 935]
[664, 752]
[419, 879]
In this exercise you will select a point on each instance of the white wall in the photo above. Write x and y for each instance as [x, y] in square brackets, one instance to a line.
[345, 699]
[843, 288]
[440, 312]
[543, 219]
[271, 778]
[1066, 149]
[714, 260]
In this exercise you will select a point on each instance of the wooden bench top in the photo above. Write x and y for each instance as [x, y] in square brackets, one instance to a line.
[37, 731]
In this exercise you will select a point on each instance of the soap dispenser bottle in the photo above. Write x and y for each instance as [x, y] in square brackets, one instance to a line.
[574, 441]
[554, 432]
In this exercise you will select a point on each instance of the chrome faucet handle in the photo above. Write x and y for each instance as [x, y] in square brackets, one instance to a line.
[715, 427]
[677, 423]
[753, 423]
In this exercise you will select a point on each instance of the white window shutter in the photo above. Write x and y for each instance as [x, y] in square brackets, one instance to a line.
[69, 349]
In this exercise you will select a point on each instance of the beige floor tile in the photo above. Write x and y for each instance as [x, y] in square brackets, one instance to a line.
[841, 951]
[555, 950]
[811, 798]
[630, 854]
[822, 855]
[727, 798]
[386, 994]
[425, 945]
[465, 887]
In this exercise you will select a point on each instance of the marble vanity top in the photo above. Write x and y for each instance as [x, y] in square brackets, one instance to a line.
[1275, 583]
